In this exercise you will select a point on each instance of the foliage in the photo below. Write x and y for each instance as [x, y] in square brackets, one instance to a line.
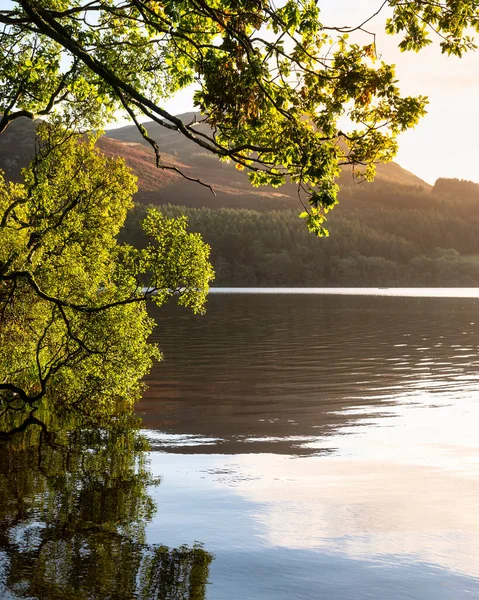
[276, 84]
[450, 18]
[72, 308]
[74, 504]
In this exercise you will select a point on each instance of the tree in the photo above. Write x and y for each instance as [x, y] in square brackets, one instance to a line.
[273, 83]
[73, 321]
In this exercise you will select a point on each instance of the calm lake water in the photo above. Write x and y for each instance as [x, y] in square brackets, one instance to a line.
[321, 446]
[315, 446]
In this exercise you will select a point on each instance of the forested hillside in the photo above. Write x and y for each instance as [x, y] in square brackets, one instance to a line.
[398, 231]
[367, 247]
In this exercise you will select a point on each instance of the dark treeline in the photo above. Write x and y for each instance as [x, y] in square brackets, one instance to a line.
[430, 241]
[467, 191]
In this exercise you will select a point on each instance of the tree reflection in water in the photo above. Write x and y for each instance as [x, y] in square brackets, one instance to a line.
[73, 508]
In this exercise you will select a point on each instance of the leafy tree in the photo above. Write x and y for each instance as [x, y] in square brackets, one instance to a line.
[73, 321]
[272, 83]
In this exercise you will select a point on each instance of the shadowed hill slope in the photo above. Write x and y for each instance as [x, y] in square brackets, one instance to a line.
[232, 188]
[233, 185]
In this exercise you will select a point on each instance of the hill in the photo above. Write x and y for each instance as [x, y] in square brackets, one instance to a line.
[232, 186]
[397, 231]
[157, 186]
[393, 184]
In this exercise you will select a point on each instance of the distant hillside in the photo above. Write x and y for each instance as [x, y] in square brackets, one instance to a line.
[187, 151]
[397, 231]
[232, 188]
[466, 190]
[156, 185]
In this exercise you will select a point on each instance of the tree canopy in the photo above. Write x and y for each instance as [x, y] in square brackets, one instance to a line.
[286, 95]
[73, 319]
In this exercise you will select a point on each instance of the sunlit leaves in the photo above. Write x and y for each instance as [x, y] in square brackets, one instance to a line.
[177, 260]
[419, 21]
[73, 319]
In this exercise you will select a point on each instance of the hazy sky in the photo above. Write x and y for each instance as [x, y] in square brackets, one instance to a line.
[444, 143]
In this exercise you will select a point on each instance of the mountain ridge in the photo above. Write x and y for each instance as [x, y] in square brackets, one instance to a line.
[188, 152]
[232, 188]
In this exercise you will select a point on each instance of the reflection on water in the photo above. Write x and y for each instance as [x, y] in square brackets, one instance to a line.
[278, 373]
[321, 446]
[74, 504]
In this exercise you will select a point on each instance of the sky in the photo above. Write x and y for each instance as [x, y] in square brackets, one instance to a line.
[444, 143]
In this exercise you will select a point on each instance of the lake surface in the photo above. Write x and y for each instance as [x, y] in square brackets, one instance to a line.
[321, 446]
[303, 446]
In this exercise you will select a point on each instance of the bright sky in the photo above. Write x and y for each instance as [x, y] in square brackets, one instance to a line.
[444, 144]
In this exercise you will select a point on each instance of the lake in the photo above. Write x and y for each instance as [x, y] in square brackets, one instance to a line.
[315, 445]
[321, 446]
